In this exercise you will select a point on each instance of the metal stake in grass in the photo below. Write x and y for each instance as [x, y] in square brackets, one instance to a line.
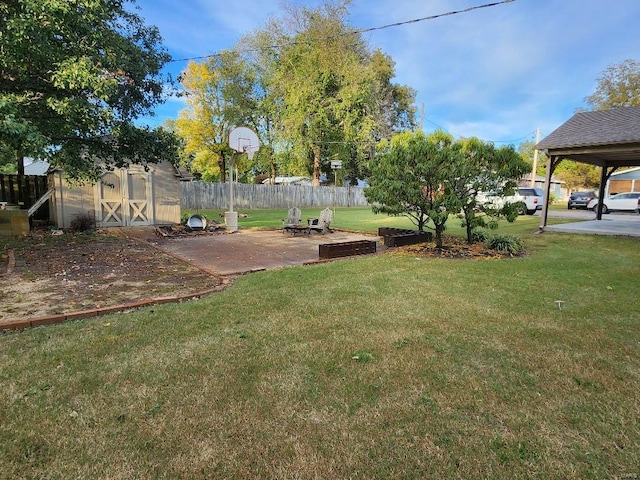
[559, 303]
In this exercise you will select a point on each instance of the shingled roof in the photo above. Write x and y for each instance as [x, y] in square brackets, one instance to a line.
[603, 138]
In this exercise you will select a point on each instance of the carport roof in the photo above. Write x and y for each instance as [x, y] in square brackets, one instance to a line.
[606, 138]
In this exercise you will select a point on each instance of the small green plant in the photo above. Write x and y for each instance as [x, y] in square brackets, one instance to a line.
[83, 222]
[479, 236]
[362, 356]
[504, 243]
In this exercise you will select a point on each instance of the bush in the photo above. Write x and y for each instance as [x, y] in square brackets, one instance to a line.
[504, 243]
[479, 236]
[83, 222]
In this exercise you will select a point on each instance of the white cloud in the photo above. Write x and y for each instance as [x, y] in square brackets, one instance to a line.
[496, 72]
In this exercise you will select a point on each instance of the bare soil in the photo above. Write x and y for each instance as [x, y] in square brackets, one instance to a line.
[44, 274]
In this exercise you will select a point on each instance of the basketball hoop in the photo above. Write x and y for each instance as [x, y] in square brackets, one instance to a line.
[243, 140]
[250, 150]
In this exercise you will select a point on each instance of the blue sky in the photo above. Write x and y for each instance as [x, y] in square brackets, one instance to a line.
[496, 73]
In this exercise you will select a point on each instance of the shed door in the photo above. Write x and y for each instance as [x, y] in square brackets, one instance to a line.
[124, 199]
[137, 202]
[110, 212]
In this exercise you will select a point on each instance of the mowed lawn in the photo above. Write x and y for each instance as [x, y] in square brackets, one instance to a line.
[386, 366]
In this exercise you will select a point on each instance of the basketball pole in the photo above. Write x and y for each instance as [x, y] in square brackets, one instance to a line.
[231, 182]
[241, 140]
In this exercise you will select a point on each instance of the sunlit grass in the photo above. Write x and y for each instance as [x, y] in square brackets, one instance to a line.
[388, 366]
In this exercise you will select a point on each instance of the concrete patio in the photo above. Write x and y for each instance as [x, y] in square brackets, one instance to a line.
[612, 224]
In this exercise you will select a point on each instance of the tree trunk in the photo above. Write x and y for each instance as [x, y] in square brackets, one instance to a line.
[439, 229]
[316, 165]
[272, 167]
[468, 223]
[222, 165]
[20, 161]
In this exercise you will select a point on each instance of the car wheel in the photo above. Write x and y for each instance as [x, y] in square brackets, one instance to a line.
[604, 209]
[568, 207]
[530, 212]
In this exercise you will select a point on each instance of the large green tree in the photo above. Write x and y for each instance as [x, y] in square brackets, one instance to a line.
[618, 86]
[332, 97]
[218, 97]
[324, 86]
[74, 77]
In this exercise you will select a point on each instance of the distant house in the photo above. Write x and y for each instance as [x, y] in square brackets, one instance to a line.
[624, 181]
[300, 180]
[35, 167]
[556, 190]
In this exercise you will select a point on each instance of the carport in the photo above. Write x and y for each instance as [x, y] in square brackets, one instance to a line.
[609, 139]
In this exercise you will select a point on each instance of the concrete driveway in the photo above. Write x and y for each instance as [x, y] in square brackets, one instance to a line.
[626, 224]
[247, 250]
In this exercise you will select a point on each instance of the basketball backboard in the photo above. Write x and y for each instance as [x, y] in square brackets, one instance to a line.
[244, 140]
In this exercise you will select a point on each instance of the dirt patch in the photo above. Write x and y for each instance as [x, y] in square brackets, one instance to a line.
[45, 274]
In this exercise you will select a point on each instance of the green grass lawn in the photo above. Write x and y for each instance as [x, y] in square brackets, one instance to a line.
[387, 366]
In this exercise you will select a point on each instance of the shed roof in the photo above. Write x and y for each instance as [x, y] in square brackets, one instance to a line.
[604, 138]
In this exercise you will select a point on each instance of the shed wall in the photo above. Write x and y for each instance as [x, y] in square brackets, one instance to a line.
[69, 201]
[166, 195]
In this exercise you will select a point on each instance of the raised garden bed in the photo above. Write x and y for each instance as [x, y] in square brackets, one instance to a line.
[346, 249]
[397, 237]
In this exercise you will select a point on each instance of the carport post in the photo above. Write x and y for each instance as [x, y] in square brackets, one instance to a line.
[552, 162]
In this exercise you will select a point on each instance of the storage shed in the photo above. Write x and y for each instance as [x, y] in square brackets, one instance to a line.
[124, 197]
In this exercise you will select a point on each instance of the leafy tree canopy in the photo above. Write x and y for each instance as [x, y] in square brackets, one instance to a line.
[218, 94]
[310, 88]
[74, 76]
[618, 86]
[578, 175]
[430, 177]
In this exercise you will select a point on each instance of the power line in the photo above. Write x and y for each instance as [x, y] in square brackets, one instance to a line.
[357, 32]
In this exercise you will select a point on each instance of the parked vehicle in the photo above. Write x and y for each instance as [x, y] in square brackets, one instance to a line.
[625, 202]
[529, 197]
[580, 199]
[532, 198]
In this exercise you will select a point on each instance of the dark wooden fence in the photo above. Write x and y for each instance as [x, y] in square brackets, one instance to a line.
[205, 195]
[24, 191]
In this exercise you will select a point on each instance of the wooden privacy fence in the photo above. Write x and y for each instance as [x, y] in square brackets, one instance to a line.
[205, 195]
[22, 190]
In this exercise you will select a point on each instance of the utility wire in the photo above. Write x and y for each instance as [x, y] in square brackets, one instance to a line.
[357, 32]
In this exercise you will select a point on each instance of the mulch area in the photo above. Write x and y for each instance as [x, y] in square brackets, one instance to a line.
[456, 248]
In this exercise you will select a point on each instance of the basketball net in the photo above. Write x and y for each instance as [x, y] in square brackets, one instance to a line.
[250, 150]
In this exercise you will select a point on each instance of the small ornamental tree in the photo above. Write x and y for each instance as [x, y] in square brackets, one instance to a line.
[409, 177]
[429, 178]
[477, 167]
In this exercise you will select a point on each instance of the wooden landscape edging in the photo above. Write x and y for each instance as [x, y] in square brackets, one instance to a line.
[397, 237]
[98, 312]
[346, 249]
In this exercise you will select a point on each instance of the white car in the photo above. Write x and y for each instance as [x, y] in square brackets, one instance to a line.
[628, 201]
[530, 198]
